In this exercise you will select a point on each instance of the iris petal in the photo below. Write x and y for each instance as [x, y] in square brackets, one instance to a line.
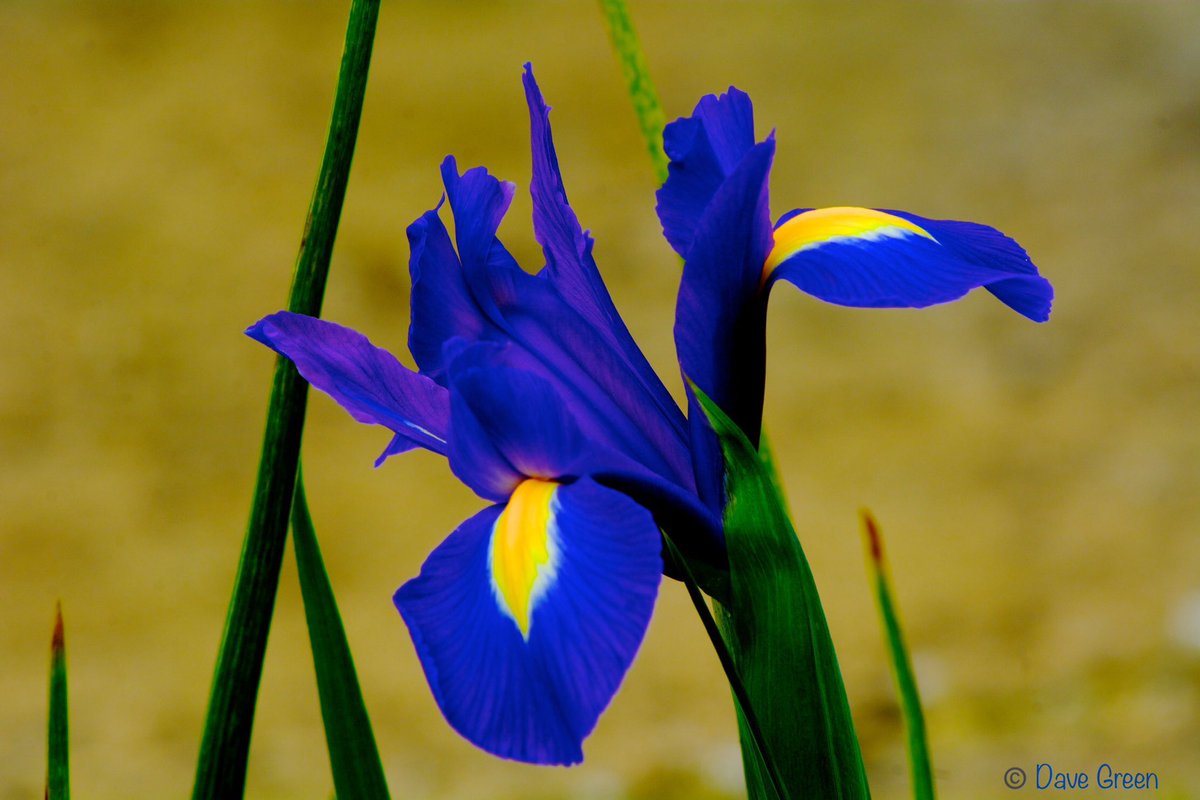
[365, 380]
[508, 424]
[535, 698]
[704, 150]
[479, 201]
[891, 259]
[720, 316]
[570, 267]
[442, 305]
[610, 403]
[567, 248]
[586, 353]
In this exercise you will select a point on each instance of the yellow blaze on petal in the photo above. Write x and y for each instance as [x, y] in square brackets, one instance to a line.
[822, 225]
[524, 551]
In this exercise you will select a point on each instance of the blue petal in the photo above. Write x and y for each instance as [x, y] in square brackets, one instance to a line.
[479, 202]
[567, 248]
[608, 400]
[455, 297]
[442, 305]
[1027, 292]
[536, 699]
[561, 324]
[892, 259]
[592, 325]
[720, 316]
[704, 149]
[508, 425]
[365, 380]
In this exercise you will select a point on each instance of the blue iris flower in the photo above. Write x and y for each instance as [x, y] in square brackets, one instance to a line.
[527, 616]
[714, 211]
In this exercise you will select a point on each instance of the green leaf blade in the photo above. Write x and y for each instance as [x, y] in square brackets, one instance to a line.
[780, 640]
[920, 766]
[58, 768]
[353, 754]
[748, 725]
[225, 746]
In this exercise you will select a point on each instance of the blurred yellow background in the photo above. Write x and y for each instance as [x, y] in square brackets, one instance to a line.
[1039, 486]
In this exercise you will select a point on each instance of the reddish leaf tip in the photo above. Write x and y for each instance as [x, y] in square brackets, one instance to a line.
[874, 539]
[56, 641]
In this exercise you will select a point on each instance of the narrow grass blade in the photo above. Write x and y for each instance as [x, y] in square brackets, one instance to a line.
[224, 749]
[779, 638]
[637, 78]
[58, 767]
[906, 682]
[353, 756]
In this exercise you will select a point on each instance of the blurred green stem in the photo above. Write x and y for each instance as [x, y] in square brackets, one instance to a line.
[224, 750]
[637, 77]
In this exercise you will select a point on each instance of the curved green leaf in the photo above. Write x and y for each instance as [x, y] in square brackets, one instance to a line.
[779, 638]
[353, 756]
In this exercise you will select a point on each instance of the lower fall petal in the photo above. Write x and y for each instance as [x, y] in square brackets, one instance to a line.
[892, 259]
[528, 616]
[367, 381]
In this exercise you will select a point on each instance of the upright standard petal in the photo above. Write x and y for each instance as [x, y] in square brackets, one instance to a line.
[580, 346]
[570, 267]
[720, 316]
[442, 305]
[892, 259]
[704, 149]
[365, 380]
[528, 616]
[575, 280]
[718, 313]
[714, 212]
[479, 202]
[567, 248]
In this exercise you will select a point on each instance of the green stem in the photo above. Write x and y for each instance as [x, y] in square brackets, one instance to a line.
[224, 750]
[637, 77]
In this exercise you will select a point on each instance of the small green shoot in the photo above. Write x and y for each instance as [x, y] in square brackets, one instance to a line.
[906, 682]
[58, 768]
